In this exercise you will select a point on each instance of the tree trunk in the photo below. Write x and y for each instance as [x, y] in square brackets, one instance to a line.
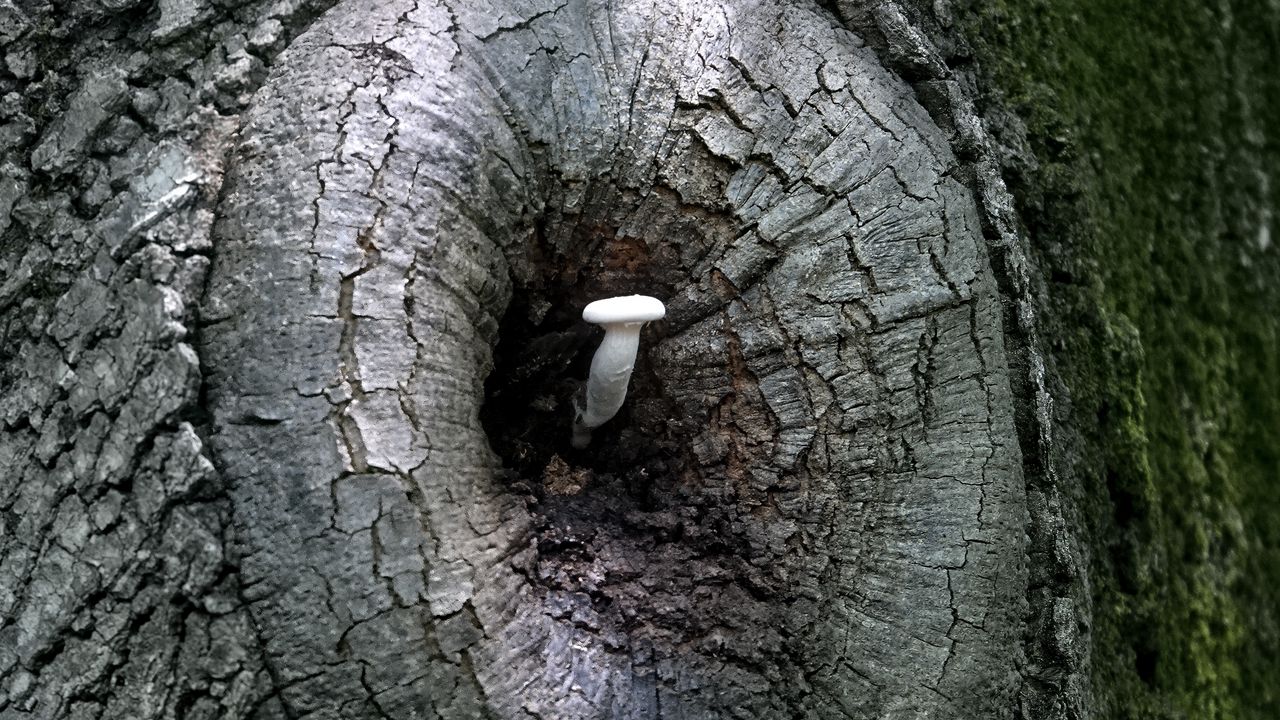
[291, 306]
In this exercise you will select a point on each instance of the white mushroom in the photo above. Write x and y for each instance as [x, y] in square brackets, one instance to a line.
[621, 318]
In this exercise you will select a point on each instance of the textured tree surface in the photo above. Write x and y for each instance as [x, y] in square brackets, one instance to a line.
[814, 505]
[118, 597]
[289, 320]
[1146, 179]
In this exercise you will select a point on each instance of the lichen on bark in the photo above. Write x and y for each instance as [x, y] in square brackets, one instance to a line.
[1147, 190]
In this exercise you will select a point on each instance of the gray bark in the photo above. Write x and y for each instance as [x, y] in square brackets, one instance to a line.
[318, 501]
[118, 597]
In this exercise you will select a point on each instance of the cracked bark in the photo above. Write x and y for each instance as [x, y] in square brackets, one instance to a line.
[814, 504]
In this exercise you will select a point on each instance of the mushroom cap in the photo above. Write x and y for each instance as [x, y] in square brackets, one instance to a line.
[624, 309]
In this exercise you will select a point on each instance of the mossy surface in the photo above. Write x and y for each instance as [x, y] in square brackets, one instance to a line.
[1151, 207]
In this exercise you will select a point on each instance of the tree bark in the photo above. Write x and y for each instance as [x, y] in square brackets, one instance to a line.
[118, 597]
[815, 504]
[291, 300]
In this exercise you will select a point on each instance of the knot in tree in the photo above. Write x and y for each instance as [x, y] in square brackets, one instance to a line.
[812, 503]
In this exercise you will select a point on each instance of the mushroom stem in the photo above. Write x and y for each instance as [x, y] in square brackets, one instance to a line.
[610, 375]
[614, 360]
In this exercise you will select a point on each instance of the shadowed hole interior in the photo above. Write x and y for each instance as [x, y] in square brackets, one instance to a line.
[630, 530]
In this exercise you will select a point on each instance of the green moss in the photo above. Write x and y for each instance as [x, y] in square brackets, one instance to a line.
[1154, 126]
